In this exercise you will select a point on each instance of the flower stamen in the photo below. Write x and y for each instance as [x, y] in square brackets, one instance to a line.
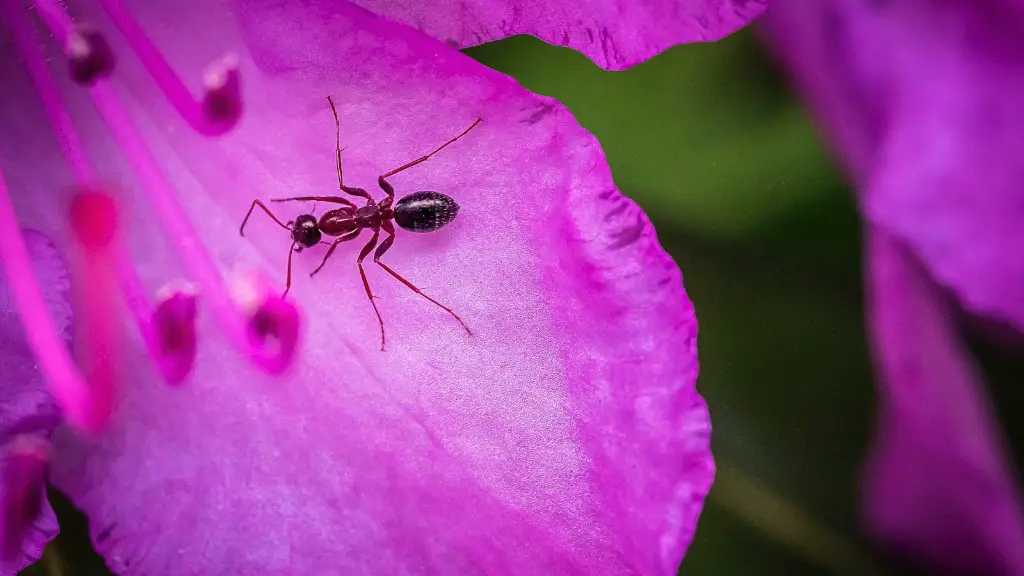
[179, 228]
[221, 106]
[147, 320]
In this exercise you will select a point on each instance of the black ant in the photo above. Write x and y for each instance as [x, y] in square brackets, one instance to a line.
[418, 212]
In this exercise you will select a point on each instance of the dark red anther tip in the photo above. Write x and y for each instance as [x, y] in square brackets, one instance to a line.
[89, 56]
[222, 101]
[175, 335]
[273, 323]
[23, 467]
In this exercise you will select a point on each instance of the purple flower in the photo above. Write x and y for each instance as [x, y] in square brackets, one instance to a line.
[565, 436]
[921, 99]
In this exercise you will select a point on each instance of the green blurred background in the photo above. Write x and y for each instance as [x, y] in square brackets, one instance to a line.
[744, 195]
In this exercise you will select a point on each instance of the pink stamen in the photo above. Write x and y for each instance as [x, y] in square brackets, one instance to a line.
[179, 228]
[221, 106]
[146, 318]
[69, 389]
[23, 468]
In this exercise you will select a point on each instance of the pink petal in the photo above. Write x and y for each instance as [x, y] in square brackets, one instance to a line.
[924, 100]
[28, 414]
[564, 437]
[937, 482]
[614, 34]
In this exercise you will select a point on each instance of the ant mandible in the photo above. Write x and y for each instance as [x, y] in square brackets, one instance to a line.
[418, 212]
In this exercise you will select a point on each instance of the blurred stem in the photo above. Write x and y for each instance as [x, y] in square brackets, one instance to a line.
[781, 520]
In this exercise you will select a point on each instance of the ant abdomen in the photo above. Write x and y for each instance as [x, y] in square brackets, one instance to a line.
[425, 211]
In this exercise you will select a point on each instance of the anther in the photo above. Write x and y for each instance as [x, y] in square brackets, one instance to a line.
[273, 325]
[174, 332]
[89, 55]
[222, 102]
[23, 467]
[93, 219]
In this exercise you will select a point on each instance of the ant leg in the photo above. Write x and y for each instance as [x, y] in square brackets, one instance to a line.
[337, 154]
[350, 236]
[331, 199]
[255, 203]
[386, 187]
[366, 285]
[337, 142]
[288, 278]
[384, 247]
[436, 150]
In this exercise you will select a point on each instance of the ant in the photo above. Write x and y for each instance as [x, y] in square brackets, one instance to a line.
[418, 212]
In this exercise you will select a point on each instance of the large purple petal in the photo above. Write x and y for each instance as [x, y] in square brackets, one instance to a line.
[564, 437]
[27, 412]
[924, 100]
[937, 483]
[612, 33]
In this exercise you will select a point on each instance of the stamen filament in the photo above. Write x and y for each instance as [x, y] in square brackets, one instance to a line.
[74, 153]
[174, 219]
[98, 318]
[216, 114]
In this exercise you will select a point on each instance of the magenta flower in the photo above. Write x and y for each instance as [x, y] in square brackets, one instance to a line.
[565, 436]
[922, 102]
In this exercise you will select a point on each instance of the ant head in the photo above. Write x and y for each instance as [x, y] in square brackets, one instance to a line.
[305, 230]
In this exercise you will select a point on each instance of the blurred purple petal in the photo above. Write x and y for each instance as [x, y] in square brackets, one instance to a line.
[565, 436]
[923, 99]
[28, 414]
[937, 485]
[612, 33]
